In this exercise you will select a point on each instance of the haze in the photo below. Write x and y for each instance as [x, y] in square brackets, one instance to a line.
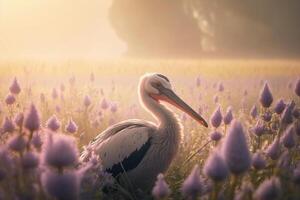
[57, 29]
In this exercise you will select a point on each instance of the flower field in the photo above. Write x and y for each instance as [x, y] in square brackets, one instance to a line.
[50, 111]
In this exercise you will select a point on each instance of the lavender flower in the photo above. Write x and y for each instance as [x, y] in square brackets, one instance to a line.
[287, 115]
[221, 87]
[8, 126]
[17, 143]
[32, 119]
[235, 149]
[254, 112]
[60, 151]
[273, 150]
[269, 189]
[192, 187]
[104, 104]
[228, 116]
[87, 101]
[244, 192]
[288, 138]
[30, 160]
[297, 88]
[258, 162]
[216, 98]
[267, 116]
[61, 186]
[216, 118]
[296, 113]
[71, 126]
[258, 129]
[53, 123]
[215, 135]
[297, 127]
[19, 118]
[161, 189]
[215, 167]
[36, 140]
[113, 107]
[279, 107]
[15, 87]
[10, 99]
[266, 97]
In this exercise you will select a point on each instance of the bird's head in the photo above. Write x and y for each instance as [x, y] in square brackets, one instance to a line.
[159, 88]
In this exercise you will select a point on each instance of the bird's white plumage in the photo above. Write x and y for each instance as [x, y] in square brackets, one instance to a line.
[118, 142]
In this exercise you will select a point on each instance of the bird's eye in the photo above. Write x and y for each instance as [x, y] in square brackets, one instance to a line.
[156, 85]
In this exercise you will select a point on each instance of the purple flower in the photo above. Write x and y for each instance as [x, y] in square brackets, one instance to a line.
[113, 107]
[10, 99]
[254, 112]
[267, 116]
[61, 186]
[296, 113]
[71, 126]
[216, 118]
[30, 160]
[8, 126]
[297, 127]
[266, 97]
[161, 189]
[19, 118]
[87, 101]
[216, 98]
[104, 104]
[215, 135]
[17, 143]
[297, 88]
[53, 123]
[192, 187]
[273, 150]
[215, 167]
[228, 116]
[235, 149]
[258, 129]
[15, 87]
[279, 107]
[288, 138]
[36, 140]
[258, 162]
[221, 87]
[269, 189]
[287, 115]
[60, 151]
[32, 119]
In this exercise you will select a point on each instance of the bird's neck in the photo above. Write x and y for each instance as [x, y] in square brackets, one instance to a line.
[168, 123]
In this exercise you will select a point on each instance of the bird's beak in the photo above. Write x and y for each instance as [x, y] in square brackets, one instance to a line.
[169, 96]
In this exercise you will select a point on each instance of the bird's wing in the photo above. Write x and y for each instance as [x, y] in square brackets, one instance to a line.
[123, 145]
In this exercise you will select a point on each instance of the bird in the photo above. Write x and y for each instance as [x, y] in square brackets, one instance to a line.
[135, 151]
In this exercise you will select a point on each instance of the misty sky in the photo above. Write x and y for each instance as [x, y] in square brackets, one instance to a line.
[57, 29]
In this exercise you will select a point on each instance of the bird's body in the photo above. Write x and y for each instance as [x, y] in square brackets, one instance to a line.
[136, 151]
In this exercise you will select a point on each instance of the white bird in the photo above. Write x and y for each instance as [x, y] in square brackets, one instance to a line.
[139, 150]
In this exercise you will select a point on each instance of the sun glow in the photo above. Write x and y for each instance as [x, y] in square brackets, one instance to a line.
[57, 29]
